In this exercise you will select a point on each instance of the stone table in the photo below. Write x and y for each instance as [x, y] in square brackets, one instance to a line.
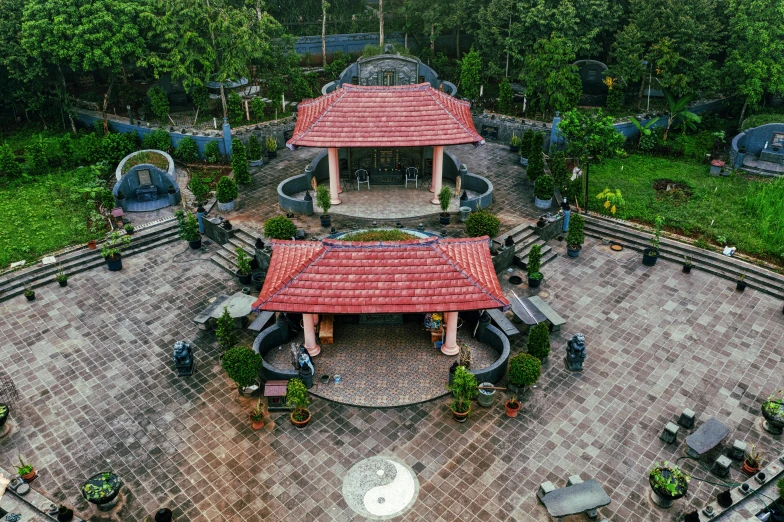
[239, 306]
[525, 310]
[587, 496]
[707, 437]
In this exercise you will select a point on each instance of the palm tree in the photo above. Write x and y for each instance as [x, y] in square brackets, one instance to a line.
[679, 111]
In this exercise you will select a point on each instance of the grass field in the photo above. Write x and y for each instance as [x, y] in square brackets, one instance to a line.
[746, 210]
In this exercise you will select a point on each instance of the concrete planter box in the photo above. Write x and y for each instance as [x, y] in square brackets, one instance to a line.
[544, 204]
[226, 207]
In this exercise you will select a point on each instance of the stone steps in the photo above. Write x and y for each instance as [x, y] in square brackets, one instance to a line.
[717, 264]
[80, 260]
[226, 258]
[524, 236]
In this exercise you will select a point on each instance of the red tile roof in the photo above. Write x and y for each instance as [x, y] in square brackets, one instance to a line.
[344, 277]
[372, 116]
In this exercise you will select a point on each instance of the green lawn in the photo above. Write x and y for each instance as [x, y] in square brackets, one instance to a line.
[46, 213]
[746, 210]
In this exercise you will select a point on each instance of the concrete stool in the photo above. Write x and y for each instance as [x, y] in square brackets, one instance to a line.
[670, 433]
[574, 479]
[722, 466]
[738, 450]
[544, 489]
[687, 419]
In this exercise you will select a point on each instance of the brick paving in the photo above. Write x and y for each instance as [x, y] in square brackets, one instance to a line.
[93, 366]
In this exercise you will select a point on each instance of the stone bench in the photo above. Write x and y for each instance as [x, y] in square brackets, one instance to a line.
[205, 319]
[555, 320]
[503, 323]
[577, 497]
[261, 320]
[326, 326]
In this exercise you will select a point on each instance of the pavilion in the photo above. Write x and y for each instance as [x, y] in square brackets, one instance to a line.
[394, 277]
[384, 130]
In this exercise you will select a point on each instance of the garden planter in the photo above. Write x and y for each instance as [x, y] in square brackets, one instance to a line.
[444, 218]
[63, 283]
[749, 469]
[649, 256]
[514, 148]
[460, 417]
[30, 297]
[244, 278]
[515, 279]
[258, 280]
[300, 424]
[686, 269]
[774, 422]
[534, 283]
[272, 154]
[740, 286]
[486, 397]
[662, 497]
[29, 477]
[256, 425]
[195, 244]
[544, 204]
[114, 263]
[64, 514]
[102, 490]
[92, 245]
[226, 207]
[573, 252]
[512, 408]
[326, 220]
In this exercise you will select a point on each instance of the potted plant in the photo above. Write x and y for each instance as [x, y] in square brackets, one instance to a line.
[298, 400]
[576, 235]
[444, 198]
[110, 251]
[102, 489]
[271, 144]
[651, 254]
[61, 278]
[242, 364]
[189, 229]
[512, 407]
[128, 229]
[257, 416]
[243, 266]
[514, 143]
[324, 201]
[524, 370]
[543, 191]
[26, 471]
[534, 264]
[613, 200]
[740, 284]
[668, 483]
[463, 388]
[258, 280]
[64, 514]
[773, 411]
[686, 264]
[5, 411]
[255, 152]
[29, 293]
[752, 462]
[539, 342]
[92, 244]
[226, 193]
[280, 227]
[482, 223]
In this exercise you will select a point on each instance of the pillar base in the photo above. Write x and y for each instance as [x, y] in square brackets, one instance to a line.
[314, 351]
[450, 350]
[335, 201]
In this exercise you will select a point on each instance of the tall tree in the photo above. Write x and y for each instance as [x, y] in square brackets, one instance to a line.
[470, 70]
[324, 6]
[381, 24]
[552, 82]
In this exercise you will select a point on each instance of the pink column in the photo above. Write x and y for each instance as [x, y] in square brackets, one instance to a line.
[334, 176]
[438, 163]
[450, 343]
[308, 321]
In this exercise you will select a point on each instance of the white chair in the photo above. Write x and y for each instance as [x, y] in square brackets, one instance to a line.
[362, 177]
[412, 174]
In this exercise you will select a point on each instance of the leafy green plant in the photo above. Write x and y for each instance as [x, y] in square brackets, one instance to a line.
[239, 162]
[482, 223]
[8, 164]
[212, 153]
[28, 290]
[255, 150]
[159, 102]
[656, 238]
[378, 235]
[243, 261]
[544, 187]
[198, 187]
[242, 364]
[60, 277]
[259, 107]
[774, 406]
[234, 108]
[669, 477]
[528, 144]
[189, 227]
[535, 262]
[100, 487]
[3, 410]
[323, 199]
[297, 399]
[470, 71]
[129, 228]
[158, 139]
[445, 198]
[559, 171]
[575, 237]
[644, 130]
[226, 190]
[225, 331]
[35, 157]
[539, 341]
[187, 150]
[515, 141]
[114, 147]
[280, 227]
[679, 112]
[524, 370]
[535, 168]
[612, 200]
[111, 248]
[464, 388]
[271, 144]
[753, 457]
[257, 413]
[23, 468]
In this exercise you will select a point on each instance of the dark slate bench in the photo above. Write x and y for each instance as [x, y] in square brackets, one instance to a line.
[525, 310]
[707, 437]
[503, 323]
[203, 319]
[260, 321]
[577, 497]
[556, 321]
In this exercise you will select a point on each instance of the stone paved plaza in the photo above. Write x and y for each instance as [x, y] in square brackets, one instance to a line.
[92, 363]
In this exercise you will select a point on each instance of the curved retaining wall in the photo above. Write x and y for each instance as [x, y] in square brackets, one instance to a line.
[118, 173]
[495, 338]
[268, 339]
[754, 140]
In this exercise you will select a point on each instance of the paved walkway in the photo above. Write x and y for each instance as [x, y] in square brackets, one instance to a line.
[98, 390]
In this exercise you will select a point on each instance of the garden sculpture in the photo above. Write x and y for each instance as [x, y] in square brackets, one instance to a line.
[304, 361]
[183, 358]
[575, 353]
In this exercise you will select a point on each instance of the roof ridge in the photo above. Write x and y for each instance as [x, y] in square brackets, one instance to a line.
[465, 104]
[342, 92]
[467, 275]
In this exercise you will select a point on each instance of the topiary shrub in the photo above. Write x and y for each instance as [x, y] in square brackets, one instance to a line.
[535, 168]
[463, 388]
[539, 341]
[255, 150]
[524, 370]
[159, 102]
[234, 108]
[559, 172]
[198, 187]
[212, 153]
[242, 364]
[445, 198]
[535, 263]
[239, 163]
[158, 139]
[226, 190]
[323, 199]
[576, 235]
[526, 143]
[482, 223]
[280, 227]
[543, 187]
[225, 332]
[187, 150]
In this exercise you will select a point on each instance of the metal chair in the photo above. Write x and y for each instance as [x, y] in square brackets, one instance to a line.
[412, 174]
[362, 177]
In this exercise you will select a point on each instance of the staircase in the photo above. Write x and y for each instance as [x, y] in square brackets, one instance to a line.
[226, 257]
[145, 237]
[720, 265]
[524, 236]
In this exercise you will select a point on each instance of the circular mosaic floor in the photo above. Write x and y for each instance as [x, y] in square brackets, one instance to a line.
[383, 365]
[380, 488]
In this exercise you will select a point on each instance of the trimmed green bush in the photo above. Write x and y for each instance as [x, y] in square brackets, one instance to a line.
[199, 187]
[158, 139]
[239, 163]
[259, 107]
[187, 150]
[242, 365]
[482, 223]
[464, 388]
[576, 235]
[527, 143]
[115, 146]
[535, 262]
[524, 370]
[539, 341]
[225, 331]
[559, 171]
[322, 198]
[535, 168]
[212, 153]
[255, 150]
[543, 187]
[280, 227]
[226, 190]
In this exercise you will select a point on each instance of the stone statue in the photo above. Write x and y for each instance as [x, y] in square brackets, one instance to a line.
[575, 353]
[183, 358]
[304, 361]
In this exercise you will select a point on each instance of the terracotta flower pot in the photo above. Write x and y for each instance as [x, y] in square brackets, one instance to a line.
[460, 417]
[512, 408]
[28, 477]
[92, 245]
[257, 425]
[750, 470]
[302, 423]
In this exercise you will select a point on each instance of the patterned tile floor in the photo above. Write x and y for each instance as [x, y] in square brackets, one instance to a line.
[384, 365]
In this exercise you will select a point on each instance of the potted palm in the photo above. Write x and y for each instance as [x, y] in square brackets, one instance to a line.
[226, 193]
[444, 198]
[543, 191]
[752, 462]
[242, 365]
[298, 400]
[514, 143]
[576, 235]
[110, 251]
[512, 406]
[243, 266]
[651, 254]
[257, 416]
[26, 471]
[463, 388]
[324, 201]
[524, 370]
[534, 264]
[668, 483]
[773, 411]
[271, 144]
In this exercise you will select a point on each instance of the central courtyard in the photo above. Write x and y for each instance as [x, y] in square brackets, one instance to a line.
[92, 364]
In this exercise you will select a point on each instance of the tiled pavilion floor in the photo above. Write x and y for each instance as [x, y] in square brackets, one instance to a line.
[92, 363]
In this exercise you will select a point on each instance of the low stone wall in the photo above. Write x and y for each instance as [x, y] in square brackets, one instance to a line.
[268, 339]
[753, 140]
[475, 183]
[214, 230]
[503, 259]
[495, 338]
